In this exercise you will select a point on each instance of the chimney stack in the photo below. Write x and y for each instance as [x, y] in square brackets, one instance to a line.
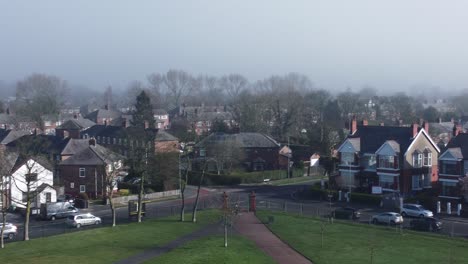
[457, 129]
[415, 127]
[426, 126]
[8, 111]
[125, 123]
[75, 116]
[440, 120]
[92, 142]
[106, 107]
[353, 127]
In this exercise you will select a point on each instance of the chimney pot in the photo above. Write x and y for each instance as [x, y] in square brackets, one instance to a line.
[426, 126]
[415, 127]
[353, 127]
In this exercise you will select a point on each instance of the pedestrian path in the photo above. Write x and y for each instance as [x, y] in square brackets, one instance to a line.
[250, 226]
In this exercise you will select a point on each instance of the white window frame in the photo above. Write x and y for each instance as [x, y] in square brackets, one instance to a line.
[82, 188]
[427, 160]
[385, 160]
[82, 172]
[72, 185]
[417, 159]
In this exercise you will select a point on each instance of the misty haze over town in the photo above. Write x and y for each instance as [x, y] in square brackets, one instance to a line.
[233, 131]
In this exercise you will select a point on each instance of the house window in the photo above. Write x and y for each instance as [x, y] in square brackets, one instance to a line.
[449, 189]
[449, 167]
[115, 141]
[108, 140]
[348, 178]
[82, 188]
[48, 197]
[369, 162]
[386, 162]
[31, 177]
[418, 182]
[72, 185]
[427, 158]
[99, 139]
[82, 172]
[347, 158]
[388, 182]
[120, 141]
[417, 159]
[202, 152]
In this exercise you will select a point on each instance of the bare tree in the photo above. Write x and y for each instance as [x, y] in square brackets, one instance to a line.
[6, 160]
[111, 172]
[40, 94]
[234, 84]
[225, 154]
[183, 185]
[26, 181]
[179, 84]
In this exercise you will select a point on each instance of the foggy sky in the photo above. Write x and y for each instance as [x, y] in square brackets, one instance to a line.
[391, 45]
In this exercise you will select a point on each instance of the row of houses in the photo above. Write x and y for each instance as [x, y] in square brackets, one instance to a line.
[405, 160]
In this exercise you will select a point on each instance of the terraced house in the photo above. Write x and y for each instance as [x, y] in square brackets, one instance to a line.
[397, 159]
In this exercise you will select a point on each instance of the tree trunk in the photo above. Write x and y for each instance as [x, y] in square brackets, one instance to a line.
[26, 220]
[140, 198]
[4, 213]
[182, 208]
[195, 206]
[112, 207]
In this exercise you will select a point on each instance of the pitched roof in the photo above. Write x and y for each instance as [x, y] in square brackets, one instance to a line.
[243, 140]
[119, 132]
[74, 146]
[460, 141]
[42, 160]
[455, 152]
[373, 137]
[103, 113]
[7, 136]
[164, 136]
[77, 124]
[45, 144]
[93, 155]
[159, 112]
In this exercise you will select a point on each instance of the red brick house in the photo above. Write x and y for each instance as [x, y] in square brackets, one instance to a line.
[397, 159]
[84, 171]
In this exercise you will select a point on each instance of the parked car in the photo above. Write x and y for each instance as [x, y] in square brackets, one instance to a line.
[9, 231]
[415, 210]
[80, 220]
[52, 211]
[347, 213]
[426, 224]
[389, 218]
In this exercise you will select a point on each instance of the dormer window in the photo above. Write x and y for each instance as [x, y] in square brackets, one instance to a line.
[417, 159]
[387, 162]
[427, 158]
[347, 158]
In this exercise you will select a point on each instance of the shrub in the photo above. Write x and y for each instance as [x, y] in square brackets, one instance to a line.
[366, 198]
[124, 192]
[83, 196]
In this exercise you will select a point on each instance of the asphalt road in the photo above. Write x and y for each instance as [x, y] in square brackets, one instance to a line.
[279, 198]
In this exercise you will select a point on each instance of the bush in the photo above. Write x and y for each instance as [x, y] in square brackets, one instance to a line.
[83, 196]
[317, 193]
[124, 192]
[366, 198]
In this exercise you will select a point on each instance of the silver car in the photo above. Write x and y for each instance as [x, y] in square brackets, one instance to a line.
[415, 210]
[80, 220]
[9, 231]
[389, 218]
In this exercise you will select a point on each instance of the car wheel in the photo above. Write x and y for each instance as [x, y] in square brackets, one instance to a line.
[404, 214]
[78, 225]
[392, 223]
[374, 221]
[11, 236]
[52, 218]
[97, 222]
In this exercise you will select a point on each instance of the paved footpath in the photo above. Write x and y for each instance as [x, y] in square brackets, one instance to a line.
[250, 226]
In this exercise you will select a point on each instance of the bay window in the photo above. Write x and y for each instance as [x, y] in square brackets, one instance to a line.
[387, 162]
[347, 158]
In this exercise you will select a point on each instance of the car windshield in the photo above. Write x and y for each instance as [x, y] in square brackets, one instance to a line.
[71, 217]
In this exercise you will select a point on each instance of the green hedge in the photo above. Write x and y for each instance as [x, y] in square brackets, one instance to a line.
[366, 198]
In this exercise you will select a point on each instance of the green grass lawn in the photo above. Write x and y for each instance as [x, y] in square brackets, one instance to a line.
[103, 245]
[212, 250]
[357, 243]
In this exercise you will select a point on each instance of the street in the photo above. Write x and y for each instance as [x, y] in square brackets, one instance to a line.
[278, 198]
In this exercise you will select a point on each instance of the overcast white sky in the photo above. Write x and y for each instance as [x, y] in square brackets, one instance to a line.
[386, 44]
